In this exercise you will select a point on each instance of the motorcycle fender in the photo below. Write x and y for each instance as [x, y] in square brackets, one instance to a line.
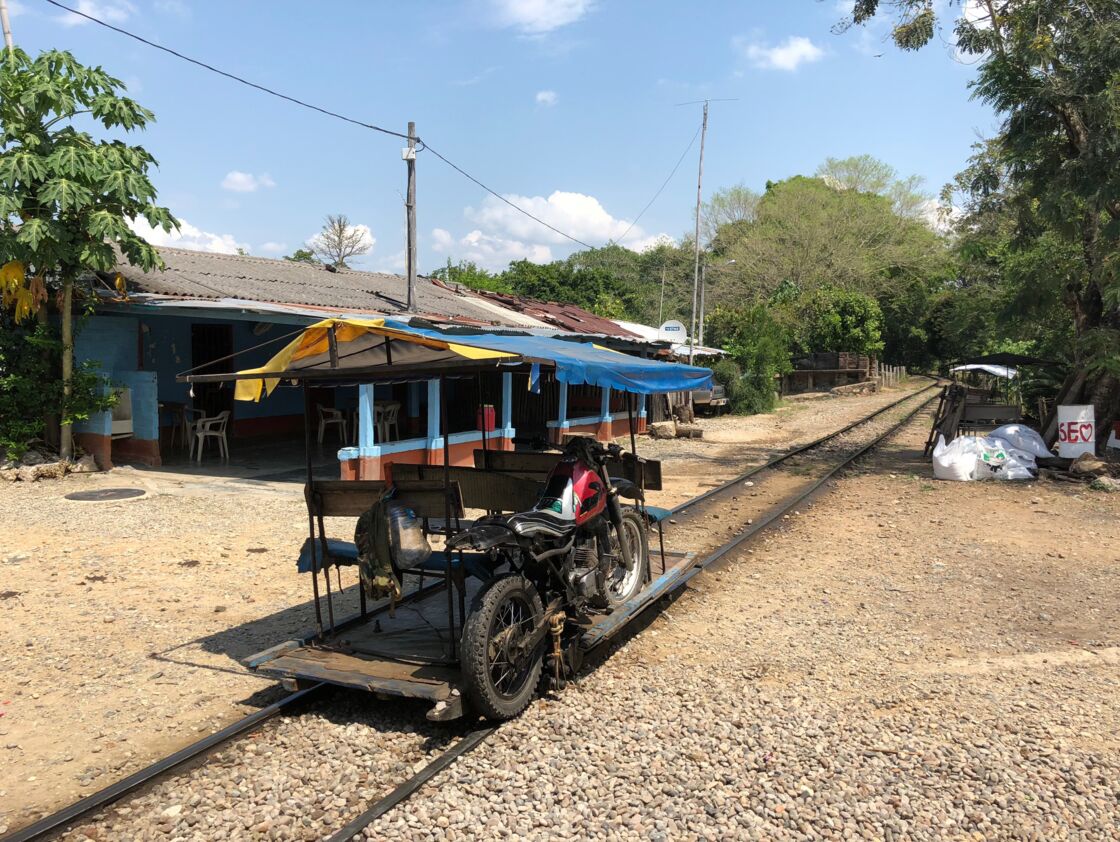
[625, 488]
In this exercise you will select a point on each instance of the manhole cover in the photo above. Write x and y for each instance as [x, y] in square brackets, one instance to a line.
[105, 495]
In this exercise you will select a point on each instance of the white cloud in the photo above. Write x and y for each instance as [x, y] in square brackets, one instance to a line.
[273, 248]
[538, 17]
[187, 237]
[546, 98]
[245, 182]
[504, 234]
[367, 238]
[478, 77]
[578, 214]
[788, 55]
[110, 11]
[15, 8]
[487, 250]
[173, 7]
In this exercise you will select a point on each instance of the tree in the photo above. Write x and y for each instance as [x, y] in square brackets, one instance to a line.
[302, 256]
[469, 274]
[808, 235]
[867, 174]
[66, 199]
[830, 319]
[1049, 68]
[339, 241]
[758, 345]
[727, 206]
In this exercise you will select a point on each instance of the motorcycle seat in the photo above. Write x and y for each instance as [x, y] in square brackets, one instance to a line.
[541, 524]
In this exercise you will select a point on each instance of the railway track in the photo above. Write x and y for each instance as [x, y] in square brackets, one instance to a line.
[816, 473]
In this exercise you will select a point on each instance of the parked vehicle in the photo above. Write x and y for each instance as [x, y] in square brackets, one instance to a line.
[578, 550]
[712, 401]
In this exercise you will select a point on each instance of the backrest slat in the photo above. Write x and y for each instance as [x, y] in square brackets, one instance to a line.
[350, 498]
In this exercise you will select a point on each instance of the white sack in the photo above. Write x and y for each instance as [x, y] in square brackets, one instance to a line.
[1021, 437]
[968, 458]
[955, 461]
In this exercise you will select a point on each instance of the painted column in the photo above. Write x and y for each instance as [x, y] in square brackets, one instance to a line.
[414, 418]
[561, 423]
[605, 422]
[435, 434]
[507, 432]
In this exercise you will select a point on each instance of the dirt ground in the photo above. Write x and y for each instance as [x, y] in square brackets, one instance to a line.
[124, 622]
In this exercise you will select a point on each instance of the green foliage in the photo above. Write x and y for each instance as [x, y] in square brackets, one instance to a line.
[758, 345]
[30, 389]
[67, 200]
[67, 197]
[303, 256]
[1041, 232]
[574, 281]
[470, 275]
[831, 319]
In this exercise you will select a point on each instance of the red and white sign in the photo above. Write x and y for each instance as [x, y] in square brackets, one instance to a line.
[1077, 431]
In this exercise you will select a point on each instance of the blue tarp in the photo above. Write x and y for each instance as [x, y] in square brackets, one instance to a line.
[579, 362]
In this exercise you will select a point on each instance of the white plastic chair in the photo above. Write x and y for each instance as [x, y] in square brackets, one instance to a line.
[385, 419]
[327, 417]
[213, 427]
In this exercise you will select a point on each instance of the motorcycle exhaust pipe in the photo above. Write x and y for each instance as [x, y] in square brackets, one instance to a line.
[554, 552]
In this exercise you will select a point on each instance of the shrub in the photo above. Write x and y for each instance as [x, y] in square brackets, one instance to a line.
[758, 350]
[31, 388]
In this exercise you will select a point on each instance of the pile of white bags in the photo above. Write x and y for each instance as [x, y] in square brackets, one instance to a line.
[1008, 452]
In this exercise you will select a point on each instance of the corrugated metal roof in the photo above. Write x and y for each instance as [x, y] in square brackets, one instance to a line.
[204, 275]
[564, 316]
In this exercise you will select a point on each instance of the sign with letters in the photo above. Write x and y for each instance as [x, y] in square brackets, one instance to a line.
[1077, 431]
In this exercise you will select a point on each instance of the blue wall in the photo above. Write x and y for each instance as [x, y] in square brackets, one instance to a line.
[112, 343]
[167, 352]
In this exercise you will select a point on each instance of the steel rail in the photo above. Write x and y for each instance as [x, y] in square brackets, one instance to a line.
[781, 457]
[475, 738]
[52, 823]
[103, 798]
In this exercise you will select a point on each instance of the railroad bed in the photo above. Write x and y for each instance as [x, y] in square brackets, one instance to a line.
[356, 751]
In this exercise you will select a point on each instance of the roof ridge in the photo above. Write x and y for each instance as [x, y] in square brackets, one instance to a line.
[254, 258]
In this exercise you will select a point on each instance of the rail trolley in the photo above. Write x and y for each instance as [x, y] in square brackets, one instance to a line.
[467, 493]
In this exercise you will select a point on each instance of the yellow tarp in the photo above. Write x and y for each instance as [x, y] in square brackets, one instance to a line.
[313, 342]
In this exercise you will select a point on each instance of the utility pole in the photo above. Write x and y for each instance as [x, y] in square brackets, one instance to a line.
[661, 306]
[7, 27]
[696, 267]
[409, 156]
[703, 285]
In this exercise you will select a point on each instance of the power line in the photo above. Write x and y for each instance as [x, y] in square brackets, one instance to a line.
[235, 78]
[498, 195]
[363, 124]
[664, 184]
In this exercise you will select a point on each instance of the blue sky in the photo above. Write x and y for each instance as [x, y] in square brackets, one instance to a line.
[568, 107]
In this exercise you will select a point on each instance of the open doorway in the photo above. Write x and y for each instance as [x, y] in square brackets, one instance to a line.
[210, 343]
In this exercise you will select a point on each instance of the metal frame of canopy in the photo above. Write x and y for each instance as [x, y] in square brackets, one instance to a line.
[388, 371]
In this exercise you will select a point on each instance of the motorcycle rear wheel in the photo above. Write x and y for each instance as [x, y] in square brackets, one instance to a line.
[498, 683]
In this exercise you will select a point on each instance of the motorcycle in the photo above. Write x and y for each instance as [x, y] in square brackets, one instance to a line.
[579, 550]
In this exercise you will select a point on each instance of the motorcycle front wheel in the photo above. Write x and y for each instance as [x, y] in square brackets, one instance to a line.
[498, 680]
[622, 584]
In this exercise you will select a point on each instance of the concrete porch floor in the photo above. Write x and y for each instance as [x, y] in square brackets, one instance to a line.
[259, 459]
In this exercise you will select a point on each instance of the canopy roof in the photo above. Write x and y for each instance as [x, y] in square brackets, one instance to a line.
[372, 350]
[1005, 358]
[995, 370]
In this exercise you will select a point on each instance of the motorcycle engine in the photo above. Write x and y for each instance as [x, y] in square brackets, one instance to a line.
[585, 562]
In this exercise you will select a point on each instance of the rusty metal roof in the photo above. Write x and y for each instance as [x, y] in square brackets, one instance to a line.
[564, 316]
